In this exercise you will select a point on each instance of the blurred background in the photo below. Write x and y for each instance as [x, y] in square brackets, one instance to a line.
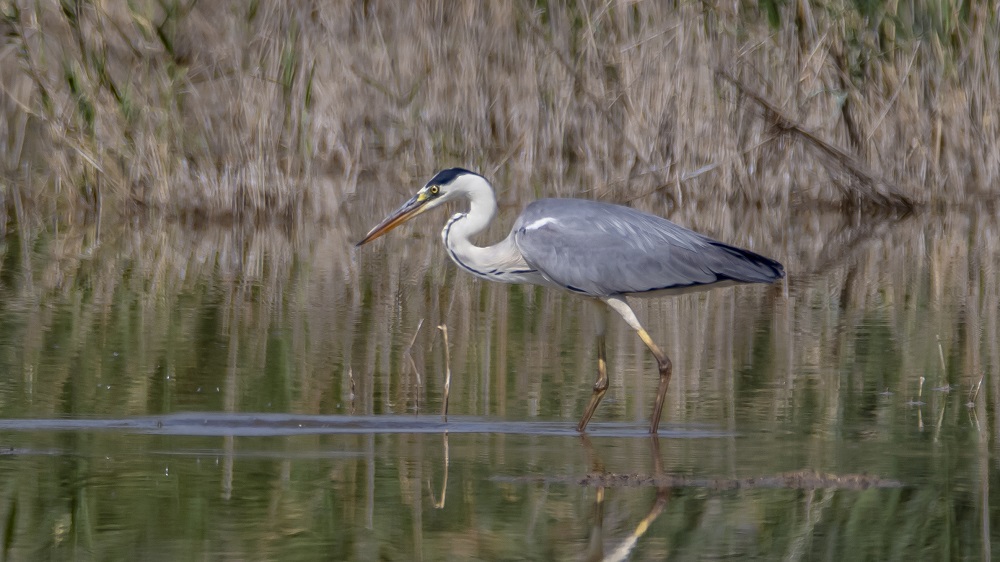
[182, 184]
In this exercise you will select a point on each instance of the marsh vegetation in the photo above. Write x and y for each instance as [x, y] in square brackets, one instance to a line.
[181, 184]
[283, 109]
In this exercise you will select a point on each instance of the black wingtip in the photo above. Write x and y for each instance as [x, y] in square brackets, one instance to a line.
[777, 271]
[764, 269]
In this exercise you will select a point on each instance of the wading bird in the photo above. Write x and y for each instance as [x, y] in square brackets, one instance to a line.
[597, 250]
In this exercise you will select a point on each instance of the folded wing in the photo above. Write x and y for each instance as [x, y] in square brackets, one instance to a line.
[601, 249]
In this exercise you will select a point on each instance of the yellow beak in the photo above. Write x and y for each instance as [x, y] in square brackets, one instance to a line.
[410, 209]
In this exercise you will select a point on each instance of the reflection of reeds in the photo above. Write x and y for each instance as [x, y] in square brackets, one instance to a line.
[303, 113]
[811, 356]
[166, 301]
[228, 109]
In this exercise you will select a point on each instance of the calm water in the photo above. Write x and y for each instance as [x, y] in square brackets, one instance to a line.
[175, 393]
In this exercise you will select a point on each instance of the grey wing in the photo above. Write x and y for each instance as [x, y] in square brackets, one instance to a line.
[601, 249]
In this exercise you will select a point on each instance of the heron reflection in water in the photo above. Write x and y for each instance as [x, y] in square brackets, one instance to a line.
[597, 250]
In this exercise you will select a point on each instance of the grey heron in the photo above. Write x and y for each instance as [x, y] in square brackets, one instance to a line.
[598, 250]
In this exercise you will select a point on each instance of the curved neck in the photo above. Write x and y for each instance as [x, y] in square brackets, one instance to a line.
[482, 209]
[490, 262]
[458, 232]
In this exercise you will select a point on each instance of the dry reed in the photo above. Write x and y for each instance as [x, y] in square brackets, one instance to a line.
[275, 110]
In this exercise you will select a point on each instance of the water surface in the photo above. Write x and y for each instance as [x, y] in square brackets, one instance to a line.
[170, 392]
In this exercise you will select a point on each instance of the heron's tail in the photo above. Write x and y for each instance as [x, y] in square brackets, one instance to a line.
[745, 266]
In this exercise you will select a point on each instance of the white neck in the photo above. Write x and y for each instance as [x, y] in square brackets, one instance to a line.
[499, 262]
[482, 209]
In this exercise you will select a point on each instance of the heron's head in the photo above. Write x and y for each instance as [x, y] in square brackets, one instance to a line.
[445, 186]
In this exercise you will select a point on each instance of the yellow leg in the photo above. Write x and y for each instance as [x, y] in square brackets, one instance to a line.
[666, 369]
[662, 361]
[601, 385]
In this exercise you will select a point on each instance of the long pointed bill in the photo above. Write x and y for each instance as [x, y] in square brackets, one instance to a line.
[410, 209]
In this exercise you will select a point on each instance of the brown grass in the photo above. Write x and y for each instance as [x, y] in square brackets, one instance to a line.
[276, 109]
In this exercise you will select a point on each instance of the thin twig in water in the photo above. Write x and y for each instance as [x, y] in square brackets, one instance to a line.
[941, 352]
[975, 392]
[409, 356]
[413, 366]
[350, 375]
[447, 372]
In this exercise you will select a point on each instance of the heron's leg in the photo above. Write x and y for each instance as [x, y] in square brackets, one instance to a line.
[662, 361]
[601, 384]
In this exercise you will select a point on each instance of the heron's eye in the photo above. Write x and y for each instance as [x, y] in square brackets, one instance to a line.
[434, 190]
